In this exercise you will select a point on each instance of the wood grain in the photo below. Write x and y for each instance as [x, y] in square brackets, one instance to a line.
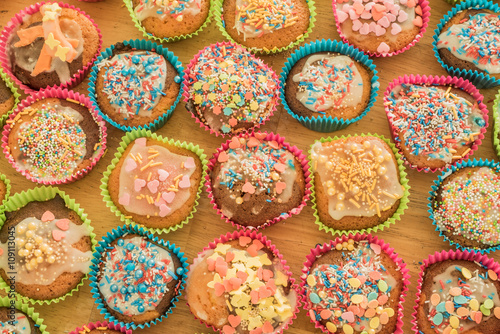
[414, 237]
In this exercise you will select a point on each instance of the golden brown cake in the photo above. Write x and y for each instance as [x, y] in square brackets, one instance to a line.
[52, 45]
[328, 84]
[7, 99]
[356, 180]
[460, 296]
[20, 324]
[53, 246]
[155, 183]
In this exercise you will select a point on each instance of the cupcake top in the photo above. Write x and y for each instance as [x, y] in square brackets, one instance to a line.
[379, 26]
[164, 8]
[247, 285]
[53, 139]
[359, 175]
[474, 39]
[229, 89]
[434, 122]
[16, 322]
[468, 206]
[354, 287]
[463, 296]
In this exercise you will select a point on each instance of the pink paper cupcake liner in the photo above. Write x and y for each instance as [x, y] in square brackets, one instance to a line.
[11, 27]
[302, 158]
[267, 243]
[326, 247]
[485, 261]
[426, 13]
[99, 324]
[65, 95]
[461, 83]
[185, 89]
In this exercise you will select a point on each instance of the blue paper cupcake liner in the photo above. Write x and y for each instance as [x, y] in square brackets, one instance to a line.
[140, 44]
[435, 187]
[328, 123]
[94, 270]
[480, 80]
[496, 124]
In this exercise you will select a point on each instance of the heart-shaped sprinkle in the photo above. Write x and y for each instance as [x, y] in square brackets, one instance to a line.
[229, 256]
[234, 320]
[159, 202]
[235, 143]
[274, 144]
[267, 274]
[189, 163]
[418, 21]
[376, 248]
[139, 184]
[260, 135]
[353, 15]
[391, 17]
[383, 48]
[219, 289]
[141, 141]
[130, 165]
[365, 29]
[384, 22]
[253, 142]
[223, 157]
[1, 252]
[358, 7]
[280, 186]
[379, 8]
[168, 196]
[366, 15]
[185, 182]
[410, 3]
[267, 328]
[248, 188]
[356, 25]
[242, 275]
[402, 16]
[163, 174]
[58, 235]
[228, 330]
[47, 216]
[396, 29]
[348, 316]
[377, 15]
[342, 16]
[280, 167]
[164, 210]
[245, 241]
[153, 186]
[125, 199]
[63, 224]
[379, 30]
[264, 292]
[418, 10]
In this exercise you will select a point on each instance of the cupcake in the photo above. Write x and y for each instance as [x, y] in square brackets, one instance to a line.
[266, 25]
[257, 179]
[240, 284]
[460, 45]
[136, 84]
[136, 279]
[154, 182]
[355, 285]
[101, 328]
[53, 246]
[458, 293]
[381, 27]
[19, 318]
[52, 44]
[8, 96]
[228, 90]
[357, 181]
[464, 205]
[77, 137]
[435, 121]
[164, 19]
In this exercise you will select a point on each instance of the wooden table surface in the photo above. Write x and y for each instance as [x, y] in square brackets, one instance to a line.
[413, 237]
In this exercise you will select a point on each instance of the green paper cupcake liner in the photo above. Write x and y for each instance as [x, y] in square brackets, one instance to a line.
[44, 193]
[403, 204]
[6, 181]
[13, 89]
[221, 24]
[496, 124]
[29, 311]
[138, 25]
[126, 140]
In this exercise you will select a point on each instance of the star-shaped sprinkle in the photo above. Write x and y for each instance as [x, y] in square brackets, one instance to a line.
[51, 41]
[62, 52]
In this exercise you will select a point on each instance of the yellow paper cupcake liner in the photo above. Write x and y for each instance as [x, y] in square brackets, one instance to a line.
[44, 193]
[14, 91]
[403, 204]
[219, 19]
[29, 311]
[138, 25]
[126, 140]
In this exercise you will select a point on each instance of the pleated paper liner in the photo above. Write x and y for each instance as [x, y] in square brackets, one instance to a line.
[221, 24]
[142, 44]
[252, 234]
[480, 80]
[403, 205]
[26, 309]
[126, 140]
[328, 123]
[478, 258]
[298, 154]
[44, 193]
[12, 26]
[6, 182]
[496, 124]
[10, 85]
[102, 247]
[138, 25]
[426, 13]
[63, 95]
[455, 82]
[186, 94]
[371, 239]
[101, 326]
[435, 187]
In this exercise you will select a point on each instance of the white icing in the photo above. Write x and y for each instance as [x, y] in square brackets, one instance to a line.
[164, 8]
